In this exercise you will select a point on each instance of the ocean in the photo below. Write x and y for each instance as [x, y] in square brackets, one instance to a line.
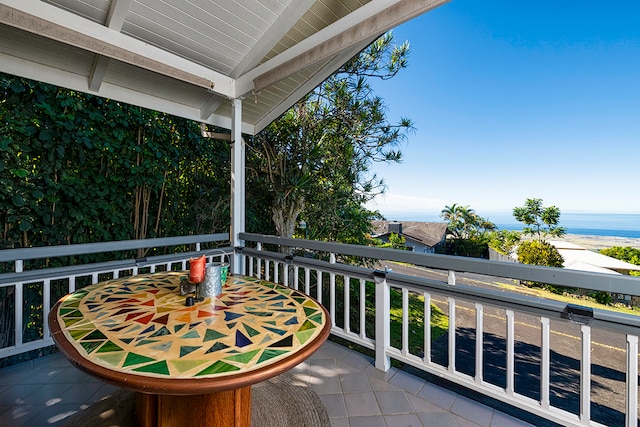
[601, 224]
[592, 224]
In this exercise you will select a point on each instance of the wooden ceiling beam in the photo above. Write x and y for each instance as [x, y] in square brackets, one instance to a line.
[383, 16]
[48, 21]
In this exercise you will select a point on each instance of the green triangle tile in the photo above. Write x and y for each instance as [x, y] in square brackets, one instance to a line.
[309, 311]
[108, 347]
[161, 332]
[317, 318]
[191, 334]
[303, 336]
[218, 367]
[307, 325]
[270, 353]
[90, 346]
[187, 349]
[250, 331]
[162, 346]
[187, 365]
[216, 347]
[76, 334]
[299, 300]
[231, 325]
[146, 342]
[112, 359]
[178, 327]
[212, 335]
[155, 368]
[136, 359]
[66, 311]
[95, 335]
[69, 322]
[270, 322]
[276, 330]
[243, 357]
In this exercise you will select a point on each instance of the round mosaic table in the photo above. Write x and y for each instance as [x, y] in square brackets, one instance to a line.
[190, 365]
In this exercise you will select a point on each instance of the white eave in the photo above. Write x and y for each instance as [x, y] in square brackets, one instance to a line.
[190, 57]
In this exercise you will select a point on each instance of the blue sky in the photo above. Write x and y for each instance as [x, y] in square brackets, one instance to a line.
[514, 100]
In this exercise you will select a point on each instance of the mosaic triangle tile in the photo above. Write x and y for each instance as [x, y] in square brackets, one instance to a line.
[266, 324]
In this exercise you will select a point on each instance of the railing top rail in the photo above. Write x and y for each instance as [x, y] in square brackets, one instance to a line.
[556, 276]
[9, 255]
[552, 309]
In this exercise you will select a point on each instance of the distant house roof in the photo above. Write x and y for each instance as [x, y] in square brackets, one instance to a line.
[578, 258]
[425, 233]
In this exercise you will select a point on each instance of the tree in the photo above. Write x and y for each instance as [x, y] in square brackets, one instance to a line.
[464, 222]
[313, 162]
[503, 241]
[539, 221]
[539, 252]
[624, 253]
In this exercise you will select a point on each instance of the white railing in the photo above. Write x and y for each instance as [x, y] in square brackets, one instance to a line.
[361, 300]
[52, 283]
[566, 390]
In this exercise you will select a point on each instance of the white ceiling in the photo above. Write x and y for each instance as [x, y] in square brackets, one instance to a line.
[190, 57]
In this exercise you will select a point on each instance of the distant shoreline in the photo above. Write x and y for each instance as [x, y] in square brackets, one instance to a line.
[600, 242]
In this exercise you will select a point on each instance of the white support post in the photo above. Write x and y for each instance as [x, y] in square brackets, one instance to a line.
[237, 184]
[405, 321]
[383, 328]
[346, 288]
[362, 311]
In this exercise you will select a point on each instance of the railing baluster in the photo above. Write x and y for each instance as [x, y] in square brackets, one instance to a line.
[479, 342]
[545, 362]
[18, 304]
[452, 335]
[346, 283]
[332, 291]
[585, 375]
[383, 327]
[46, 307]
[296, 277]
[307, 281]
[363, 308]
[405, 321]
[276, 271]
[319, 286]
[510, 352]
[632, 381]
[427, 328]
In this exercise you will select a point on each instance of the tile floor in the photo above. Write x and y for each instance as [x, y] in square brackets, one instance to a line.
[45, 391]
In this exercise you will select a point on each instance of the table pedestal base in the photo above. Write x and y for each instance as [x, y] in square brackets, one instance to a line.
[230, 408]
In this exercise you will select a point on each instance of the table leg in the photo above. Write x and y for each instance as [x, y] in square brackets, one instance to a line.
[230, 408]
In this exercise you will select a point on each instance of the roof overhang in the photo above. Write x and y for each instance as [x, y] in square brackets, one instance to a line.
[190, 57]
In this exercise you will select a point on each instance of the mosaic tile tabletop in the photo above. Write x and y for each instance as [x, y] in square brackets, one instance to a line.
[140, 325]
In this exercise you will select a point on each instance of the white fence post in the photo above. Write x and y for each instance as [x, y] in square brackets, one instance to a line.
[383, 329]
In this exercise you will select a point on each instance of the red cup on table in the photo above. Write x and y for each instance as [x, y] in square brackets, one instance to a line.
[196, 269]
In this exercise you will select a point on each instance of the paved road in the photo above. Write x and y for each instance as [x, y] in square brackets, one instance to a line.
[608, 360]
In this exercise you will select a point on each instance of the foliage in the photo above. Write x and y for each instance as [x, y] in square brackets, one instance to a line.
[395, 242]
[76, 168]
[464, 222]
[539, 221]
[539, 252]
[624, 253]
[466, 231]
[313, 162]
[503, 241]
